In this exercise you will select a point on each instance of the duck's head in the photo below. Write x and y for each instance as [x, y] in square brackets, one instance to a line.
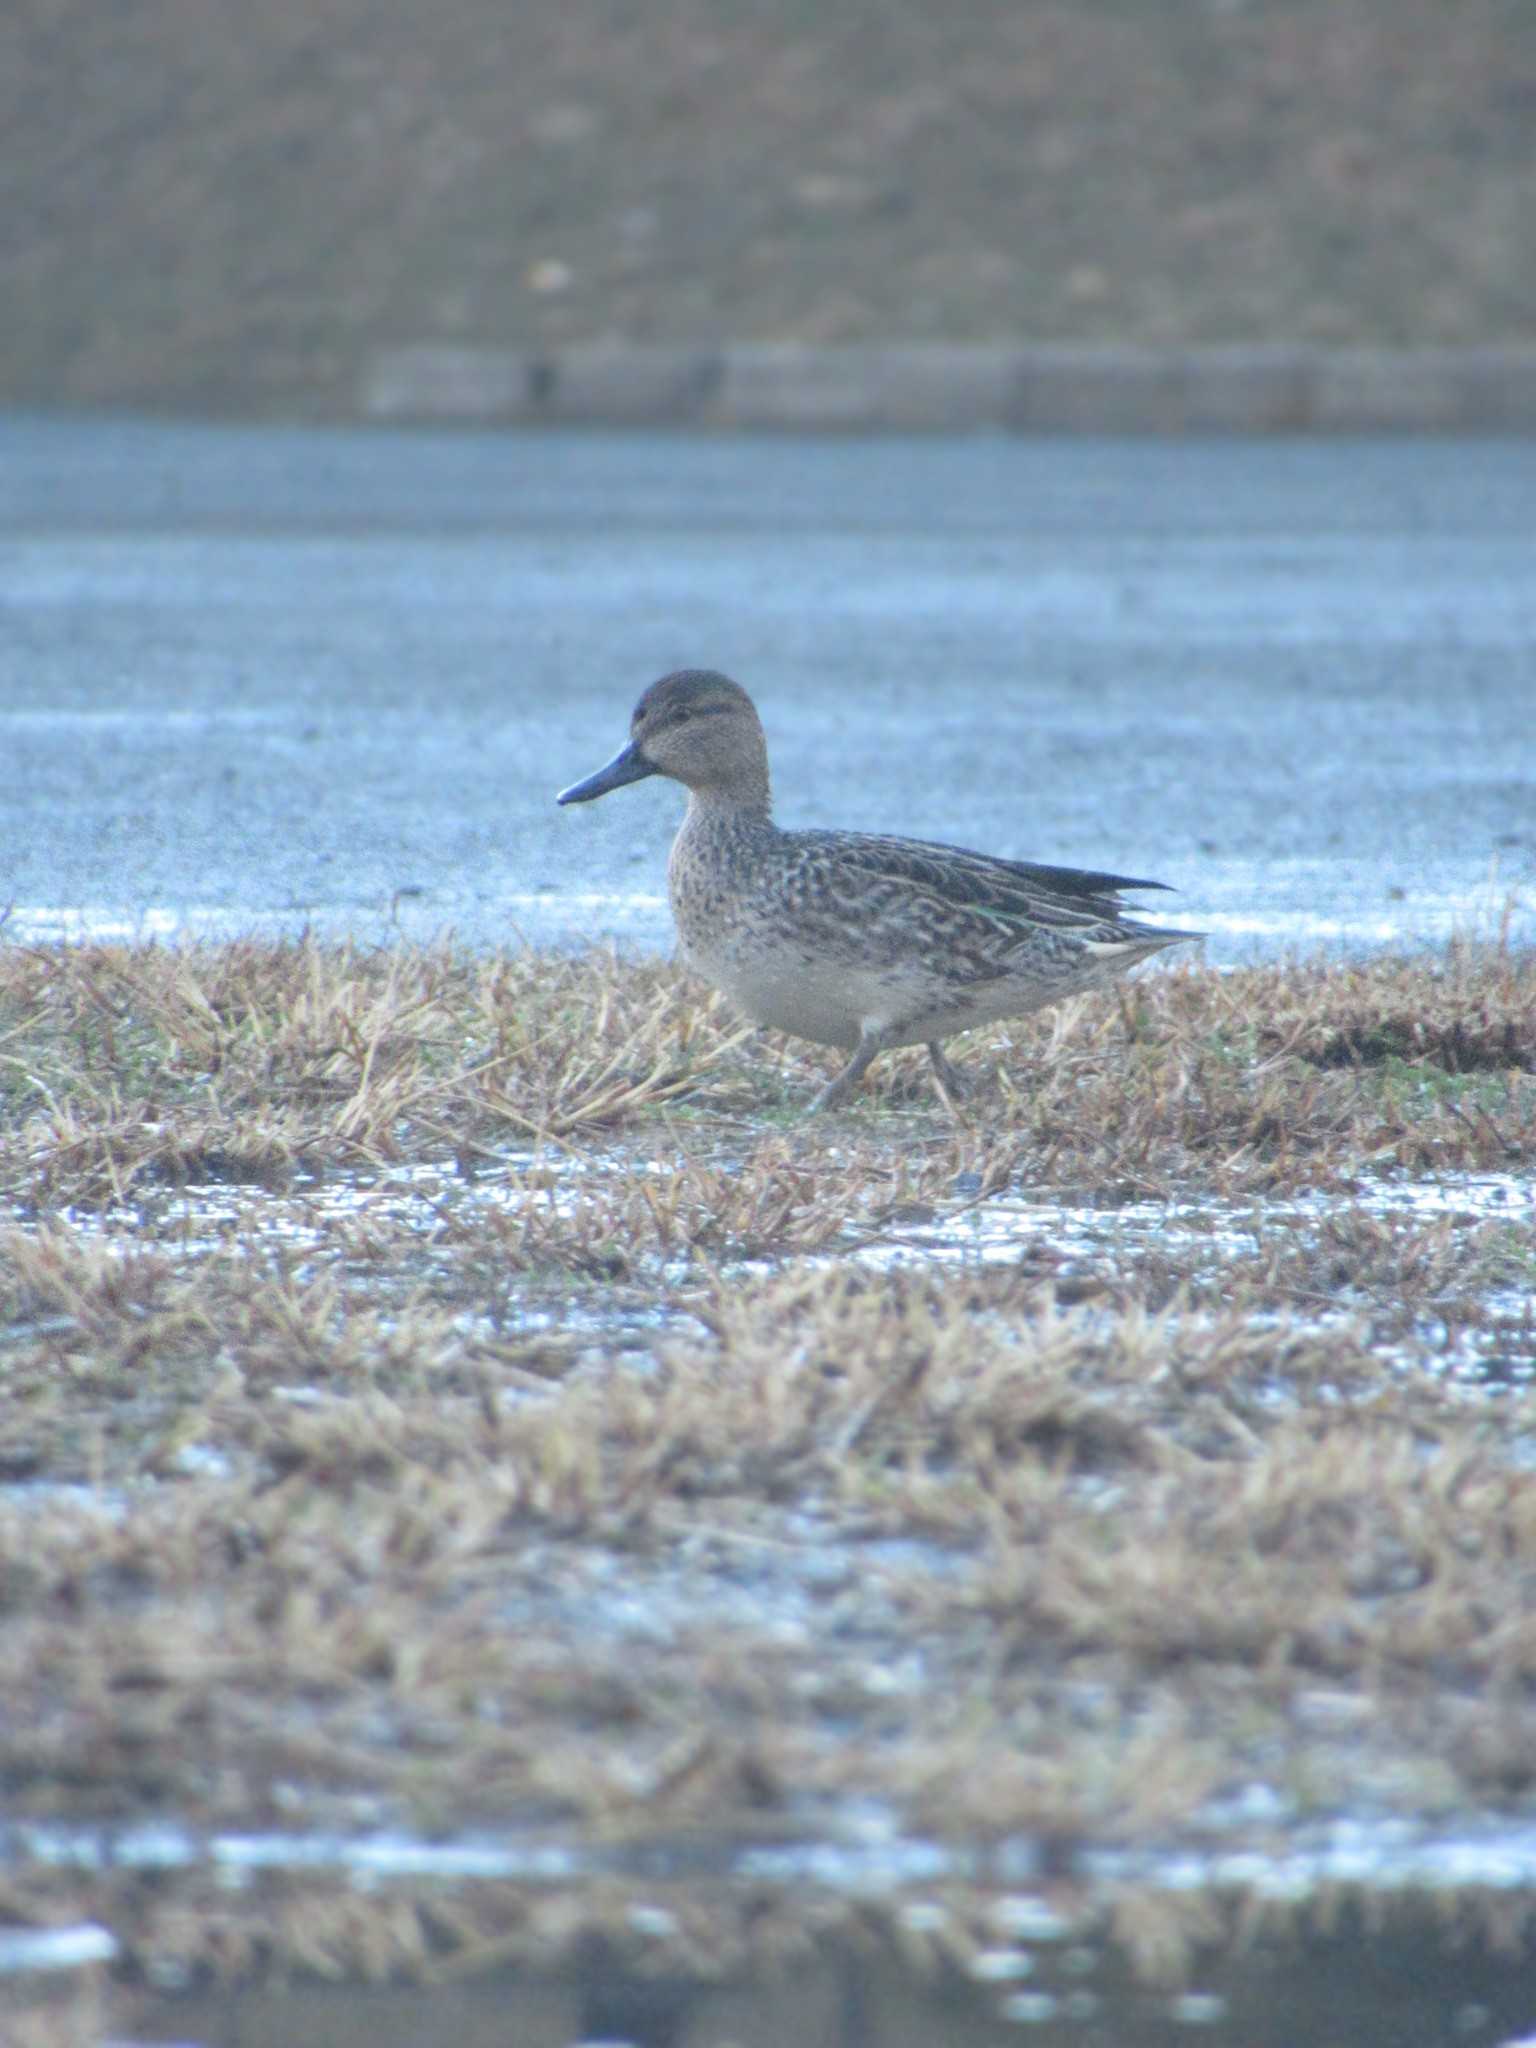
[698, 727]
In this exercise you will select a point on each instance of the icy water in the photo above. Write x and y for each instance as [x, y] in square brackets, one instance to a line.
[263, 679]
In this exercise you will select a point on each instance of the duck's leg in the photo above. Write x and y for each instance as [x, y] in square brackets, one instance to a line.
[838, 1090]
[955, 1085]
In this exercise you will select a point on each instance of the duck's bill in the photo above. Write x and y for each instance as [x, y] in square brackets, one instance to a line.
[629, 765]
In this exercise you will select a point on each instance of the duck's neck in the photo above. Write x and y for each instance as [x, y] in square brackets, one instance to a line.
[746, 801]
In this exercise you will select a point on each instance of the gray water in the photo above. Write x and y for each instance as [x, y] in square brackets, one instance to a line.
[255, 678]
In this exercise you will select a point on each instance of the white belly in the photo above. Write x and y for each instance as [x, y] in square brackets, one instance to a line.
[837, 1004]
[780, 988]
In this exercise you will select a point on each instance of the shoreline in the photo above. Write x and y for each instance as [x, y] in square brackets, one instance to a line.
[1023, 389]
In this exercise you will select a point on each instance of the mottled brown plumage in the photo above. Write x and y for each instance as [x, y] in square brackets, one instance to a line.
[854, 939]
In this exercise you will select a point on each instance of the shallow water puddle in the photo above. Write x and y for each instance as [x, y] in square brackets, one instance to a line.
[998, 1227]
[200, 1215]
[397, 1230]
[1334, 1949]
[862, 1854]
[1205, 1241]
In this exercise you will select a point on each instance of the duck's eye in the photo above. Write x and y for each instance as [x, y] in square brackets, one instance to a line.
[681, 715]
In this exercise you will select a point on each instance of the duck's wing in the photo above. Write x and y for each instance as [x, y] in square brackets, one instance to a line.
[979, 890]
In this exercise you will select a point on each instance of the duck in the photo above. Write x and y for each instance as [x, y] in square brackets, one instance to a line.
[856, 940]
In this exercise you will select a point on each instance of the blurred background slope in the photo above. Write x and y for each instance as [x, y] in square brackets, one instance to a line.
[220, 205]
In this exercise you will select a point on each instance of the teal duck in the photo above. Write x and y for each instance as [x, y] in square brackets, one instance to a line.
[853, 939]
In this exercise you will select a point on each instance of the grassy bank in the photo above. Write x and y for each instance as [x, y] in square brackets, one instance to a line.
[222, 214]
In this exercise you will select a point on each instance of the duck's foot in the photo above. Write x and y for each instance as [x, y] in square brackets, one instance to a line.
[953, 1084]
[838, 1090]
[836, 1093]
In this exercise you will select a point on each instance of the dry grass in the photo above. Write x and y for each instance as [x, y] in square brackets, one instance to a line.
[510, 1493]
[407, 1596]
[121, 1067]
